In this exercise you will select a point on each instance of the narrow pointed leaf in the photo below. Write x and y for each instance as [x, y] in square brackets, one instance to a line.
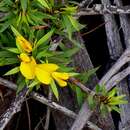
[13, 50]
[15, 31]
[45, 38]
[24, 4]
[44, 3]
[54, 89]
[13, 71]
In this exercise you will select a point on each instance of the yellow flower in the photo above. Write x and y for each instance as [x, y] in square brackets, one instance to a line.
[24, 44]
[45, 73]
[24, 57]
[27, 66]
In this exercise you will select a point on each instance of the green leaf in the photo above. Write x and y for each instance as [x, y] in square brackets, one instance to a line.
[87, 75]
[13, 50]
[79, 95]
[115, 108]
[116, 101]
[68, 27]
[21, 83]
[15, 31]
[13, 71]
[112, 92]
[19, 19]
[44, 3]
[52, 2]
[24, 4]
[73, 74]
[65, 68]
[70, 10]
[45, 38]
[5, 54]
[44, 53]
[33, 84]
[91, 101]
[54, 89]
[103, 109]
[4, 26]
[74, 22]
[71, 52]
[104, 91]
[8, 61]
[97, 89]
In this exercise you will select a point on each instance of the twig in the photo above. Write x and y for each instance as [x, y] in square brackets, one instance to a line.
[117, 78]
[85, 3]
[50, 95]
[8, 84]
[28, 113]
[38, 124]
[99, 9]
[94, 29]
[125, 57]
[83, 87]
[64, 110]
[53, 105]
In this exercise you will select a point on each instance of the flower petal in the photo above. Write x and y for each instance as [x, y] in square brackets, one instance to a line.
[60, 75]
[42, 75]
[26, 45]
[61, 82]
[24, 57]
[48, 67]
[27, 70]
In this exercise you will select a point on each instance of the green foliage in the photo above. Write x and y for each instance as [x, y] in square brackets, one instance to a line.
[107, 101]
[80, 95]
[54, 89]
[45, 38]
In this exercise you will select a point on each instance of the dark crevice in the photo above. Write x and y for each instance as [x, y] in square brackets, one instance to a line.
[95, 42]
[37, 113]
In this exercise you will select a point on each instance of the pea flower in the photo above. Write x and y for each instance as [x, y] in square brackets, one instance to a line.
[45, 73]
[24, 44]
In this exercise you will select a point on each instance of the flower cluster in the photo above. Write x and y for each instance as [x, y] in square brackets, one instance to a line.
[45, 73]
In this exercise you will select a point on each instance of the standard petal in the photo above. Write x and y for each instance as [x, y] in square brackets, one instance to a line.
[48, 67]
[60, 75]
[27, 70]
[42, 75]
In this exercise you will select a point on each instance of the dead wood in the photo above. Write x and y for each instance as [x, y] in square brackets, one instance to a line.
[124, 87]
[85, 3]
[14, 108]
[101, 9]
[51, 104]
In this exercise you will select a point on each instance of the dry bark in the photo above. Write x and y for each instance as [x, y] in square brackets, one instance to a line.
[125, 113]
[100, 9]
[14, 108]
